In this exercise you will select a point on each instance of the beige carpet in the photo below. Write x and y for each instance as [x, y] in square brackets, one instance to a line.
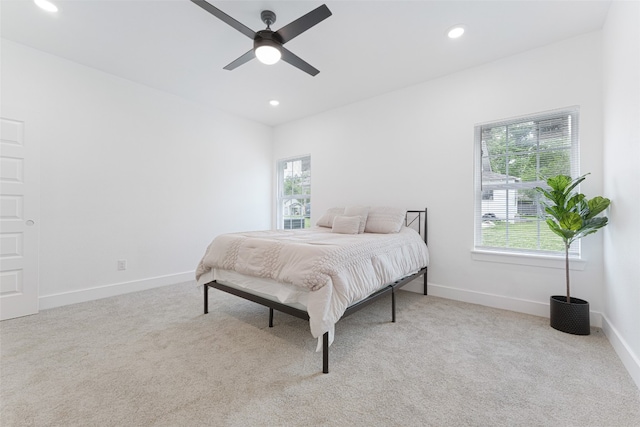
[153, 359]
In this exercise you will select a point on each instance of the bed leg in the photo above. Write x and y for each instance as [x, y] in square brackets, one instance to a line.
[270, 317]
[393, 306]
[424, 277]
[206, 299]
[325, 353]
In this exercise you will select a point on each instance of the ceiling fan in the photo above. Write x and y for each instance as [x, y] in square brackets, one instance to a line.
[268, 44]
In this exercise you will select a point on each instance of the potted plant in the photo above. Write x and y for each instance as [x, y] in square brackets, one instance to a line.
[571, 216]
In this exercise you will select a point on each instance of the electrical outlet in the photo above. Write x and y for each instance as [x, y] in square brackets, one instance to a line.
[122, 264]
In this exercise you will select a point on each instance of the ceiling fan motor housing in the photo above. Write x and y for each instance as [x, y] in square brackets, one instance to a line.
[266, 38]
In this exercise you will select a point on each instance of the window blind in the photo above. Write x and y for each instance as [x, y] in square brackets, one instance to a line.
[512, 158]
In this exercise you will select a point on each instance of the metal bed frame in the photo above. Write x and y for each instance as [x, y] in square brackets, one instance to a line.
[302, 314]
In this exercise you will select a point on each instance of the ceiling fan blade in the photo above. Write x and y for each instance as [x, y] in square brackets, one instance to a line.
[238, 62]
[303, 23]
[226, 18]
[294, 60]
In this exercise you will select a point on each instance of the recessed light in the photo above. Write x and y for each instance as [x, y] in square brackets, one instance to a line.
[274, 102]
[455, 31]
[46, 5]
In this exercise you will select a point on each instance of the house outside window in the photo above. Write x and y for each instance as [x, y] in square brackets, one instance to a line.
[512, 158]
[294, 193]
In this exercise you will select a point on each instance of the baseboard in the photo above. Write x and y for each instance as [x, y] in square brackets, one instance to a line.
[84, 295]
[534, 308]
[630, 360]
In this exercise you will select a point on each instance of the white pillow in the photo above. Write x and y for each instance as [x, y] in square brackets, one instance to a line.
[384, 220]
[346, 224]
[362, 212]
[326, 220]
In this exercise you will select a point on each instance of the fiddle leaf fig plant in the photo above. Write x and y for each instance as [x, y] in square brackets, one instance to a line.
[570, 214]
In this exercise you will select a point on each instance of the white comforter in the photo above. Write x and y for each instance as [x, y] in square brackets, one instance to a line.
[337, 269]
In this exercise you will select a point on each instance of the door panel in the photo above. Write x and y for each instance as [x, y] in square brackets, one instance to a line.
[18, 221]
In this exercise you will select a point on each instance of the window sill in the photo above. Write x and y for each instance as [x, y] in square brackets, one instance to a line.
[546, 261]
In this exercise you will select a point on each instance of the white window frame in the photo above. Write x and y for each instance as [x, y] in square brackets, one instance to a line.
[280, 196]
[534, 257]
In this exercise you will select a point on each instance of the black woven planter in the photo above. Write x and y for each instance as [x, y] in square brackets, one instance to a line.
[572, 318]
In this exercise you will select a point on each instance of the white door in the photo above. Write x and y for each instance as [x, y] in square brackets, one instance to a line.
[19, 210]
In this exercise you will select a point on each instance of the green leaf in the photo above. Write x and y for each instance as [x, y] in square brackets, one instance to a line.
[557, 197]
[582, 208]
[576, 182]
[565, 234]
[559, 182]
[593, 224]
[574, 201]
[554, 211]
[597, 205]
[544, 192]
[571, 221]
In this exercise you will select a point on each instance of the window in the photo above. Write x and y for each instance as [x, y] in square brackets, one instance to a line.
[294, 193]
[512, 158]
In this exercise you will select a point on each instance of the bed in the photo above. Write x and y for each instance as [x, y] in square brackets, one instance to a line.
[350, 258]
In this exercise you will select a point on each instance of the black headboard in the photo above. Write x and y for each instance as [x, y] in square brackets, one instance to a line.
[418, 221]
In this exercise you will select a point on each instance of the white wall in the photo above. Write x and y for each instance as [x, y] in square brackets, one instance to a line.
[128, 172]
[413, 148]
[621, 48]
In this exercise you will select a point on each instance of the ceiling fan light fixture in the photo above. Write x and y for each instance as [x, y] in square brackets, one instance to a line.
[267, 54]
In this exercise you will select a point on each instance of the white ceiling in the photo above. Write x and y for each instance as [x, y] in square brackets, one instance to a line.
[365, 49]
